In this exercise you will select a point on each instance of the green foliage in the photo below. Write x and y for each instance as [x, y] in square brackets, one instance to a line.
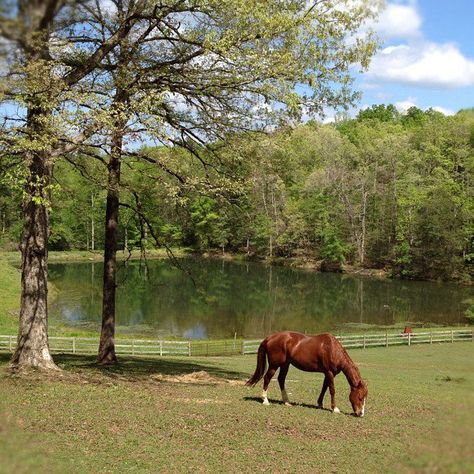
[208, 223]
[382, 190]
[380, 113]
[469, 311]
[333, 248]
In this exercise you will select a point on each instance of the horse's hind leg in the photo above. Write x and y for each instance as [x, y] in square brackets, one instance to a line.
[266, 381]
[281, 381]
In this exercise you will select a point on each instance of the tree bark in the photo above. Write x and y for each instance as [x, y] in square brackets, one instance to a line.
[107, 343]
[107, 336]
[363, 225]
[32, 349]
[92, 223]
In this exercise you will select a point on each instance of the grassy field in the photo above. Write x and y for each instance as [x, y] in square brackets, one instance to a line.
[195, 415]
[9, 296]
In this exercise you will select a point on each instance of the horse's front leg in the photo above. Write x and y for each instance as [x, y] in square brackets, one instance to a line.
[323, 392]
[281, 381]
[332, 391]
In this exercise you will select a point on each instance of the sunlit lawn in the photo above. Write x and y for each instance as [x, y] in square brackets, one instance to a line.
[135, 418]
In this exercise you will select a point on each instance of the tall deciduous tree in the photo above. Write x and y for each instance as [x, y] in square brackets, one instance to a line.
[46, 57]
[189, 72]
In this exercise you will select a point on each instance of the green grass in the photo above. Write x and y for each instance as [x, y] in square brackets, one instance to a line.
[9, 296]
[96, 255]
[141, 417]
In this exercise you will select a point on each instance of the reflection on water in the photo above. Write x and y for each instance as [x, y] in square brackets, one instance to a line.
[248, 299]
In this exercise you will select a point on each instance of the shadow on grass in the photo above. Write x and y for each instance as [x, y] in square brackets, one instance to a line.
[136, 368]
[293, 404]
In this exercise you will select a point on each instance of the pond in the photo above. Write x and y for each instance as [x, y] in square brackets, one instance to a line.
[220, 299]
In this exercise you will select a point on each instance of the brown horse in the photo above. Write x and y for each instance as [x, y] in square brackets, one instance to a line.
[322, 353]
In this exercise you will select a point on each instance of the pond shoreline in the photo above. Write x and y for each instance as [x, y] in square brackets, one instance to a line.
[303, 262]
[299, 262]
[9, 312]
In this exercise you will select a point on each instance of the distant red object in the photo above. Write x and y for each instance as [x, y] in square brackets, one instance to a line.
[407, 330]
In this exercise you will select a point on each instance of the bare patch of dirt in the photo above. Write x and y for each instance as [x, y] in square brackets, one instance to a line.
[203, 401]
[200, 377]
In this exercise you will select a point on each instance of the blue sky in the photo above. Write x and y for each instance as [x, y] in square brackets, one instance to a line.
[426, 57]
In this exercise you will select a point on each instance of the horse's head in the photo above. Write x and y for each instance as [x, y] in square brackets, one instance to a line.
[358, 397]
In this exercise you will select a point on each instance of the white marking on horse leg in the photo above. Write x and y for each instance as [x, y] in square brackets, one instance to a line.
[336, 410]
[285, 398]
[265, 398]
[363, 408]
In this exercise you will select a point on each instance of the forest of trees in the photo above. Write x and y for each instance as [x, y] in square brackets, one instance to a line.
[384, 190]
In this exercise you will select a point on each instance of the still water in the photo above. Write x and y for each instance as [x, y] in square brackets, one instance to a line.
[248, 299]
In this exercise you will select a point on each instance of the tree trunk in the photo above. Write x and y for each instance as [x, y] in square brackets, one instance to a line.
[363, 225]
[107, 336]
[107, 343]
[32, 349]
[92, 223]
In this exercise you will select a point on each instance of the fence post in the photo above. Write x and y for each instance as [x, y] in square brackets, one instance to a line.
[73, 345]
[11, 343]
[242, 346]
[386, 339]
[189, 348]
[409, 338]
[364, 341]
[161, 348]
[133, 347]
[431, 337]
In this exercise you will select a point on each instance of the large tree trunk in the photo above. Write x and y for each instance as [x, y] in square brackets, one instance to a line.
[32, 350]
[107, 343]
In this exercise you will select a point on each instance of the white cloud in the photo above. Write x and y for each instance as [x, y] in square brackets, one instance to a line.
[398, 21]
[423, 64]
[443, 110]
[403, 105]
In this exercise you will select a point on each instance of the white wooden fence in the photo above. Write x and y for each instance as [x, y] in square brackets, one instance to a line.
[150, 347]
[387, 339]
[86, 345]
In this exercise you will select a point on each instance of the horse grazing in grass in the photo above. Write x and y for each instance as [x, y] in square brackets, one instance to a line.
[322, 353]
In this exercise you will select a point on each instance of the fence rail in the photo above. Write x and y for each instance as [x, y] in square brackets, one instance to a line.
[85, 345]
[387, 339]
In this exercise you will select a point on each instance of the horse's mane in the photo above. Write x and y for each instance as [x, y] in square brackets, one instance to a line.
[350, 368]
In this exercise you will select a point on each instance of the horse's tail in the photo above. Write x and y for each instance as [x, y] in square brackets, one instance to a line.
[261, 364]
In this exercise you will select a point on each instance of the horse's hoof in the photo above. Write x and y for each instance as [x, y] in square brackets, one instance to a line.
[266, 402]
[319, 407]
[288, 404]
[336, 410]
